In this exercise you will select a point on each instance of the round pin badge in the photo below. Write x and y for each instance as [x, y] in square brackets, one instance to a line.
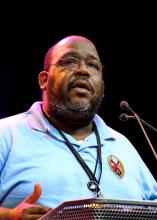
[116, 166]
[93, 186]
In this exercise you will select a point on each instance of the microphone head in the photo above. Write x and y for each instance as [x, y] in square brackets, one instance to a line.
[123, 117]
[124, 105]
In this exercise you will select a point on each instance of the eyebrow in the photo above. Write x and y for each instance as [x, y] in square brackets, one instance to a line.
[75, 54]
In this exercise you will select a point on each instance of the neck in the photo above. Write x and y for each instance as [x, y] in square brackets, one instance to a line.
[78, 130]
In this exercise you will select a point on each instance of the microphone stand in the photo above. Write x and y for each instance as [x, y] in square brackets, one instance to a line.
[148, 125]
[124, 105]
[140, 121]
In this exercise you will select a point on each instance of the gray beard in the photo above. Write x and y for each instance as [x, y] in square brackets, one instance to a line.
[67, 110]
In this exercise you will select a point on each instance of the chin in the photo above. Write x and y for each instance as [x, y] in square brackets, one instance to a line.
[80, 104]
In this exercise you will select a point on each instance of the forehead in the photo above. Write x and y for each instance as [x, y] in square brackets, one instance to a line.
[81, 46]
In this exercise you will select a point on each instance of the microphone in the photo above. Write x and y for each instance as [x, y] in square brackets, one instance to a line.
[124, 117]
[125, 106]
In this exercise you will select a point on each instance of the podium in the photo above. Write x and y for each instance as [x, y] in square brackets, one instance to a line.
[101, 208]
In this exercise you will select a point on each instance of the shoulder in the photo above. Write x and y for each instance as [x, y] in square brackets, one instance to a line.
[109, 133]
[12, 121]
[104, 128]
[18, 120]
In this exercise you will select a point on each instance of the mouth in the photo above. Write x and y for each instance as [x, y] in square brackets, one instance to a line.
[82, 85]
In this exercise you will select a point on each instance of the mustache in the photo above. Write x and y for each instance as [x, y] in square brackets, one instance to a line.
[84, 80]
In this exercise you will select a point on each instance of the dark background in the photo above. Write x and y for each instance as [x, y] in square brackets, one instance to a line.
[125, 36]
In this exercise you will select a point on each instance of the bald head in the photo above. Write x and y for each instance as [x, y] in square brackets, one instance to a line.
[67, 44]
[72, 39]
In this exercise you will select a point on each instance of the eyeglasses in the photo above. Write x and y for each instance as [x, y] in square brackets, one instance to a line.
[72, 63]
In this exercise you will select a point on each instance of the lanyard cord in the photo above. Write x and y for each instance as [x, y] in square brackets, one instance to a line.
[82, 162]
[98, 151]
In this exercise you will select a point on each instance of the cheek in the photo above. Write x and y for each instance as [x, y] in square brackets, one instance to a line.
[57, 82]
[98, 84]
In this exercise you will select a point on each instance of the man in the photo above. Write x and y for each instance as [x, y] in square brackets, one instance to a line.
[62, 147]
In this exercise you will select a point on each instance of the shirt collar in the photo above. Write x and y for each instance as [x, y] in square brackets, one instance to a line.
[104, 130]
[36, 118]
[38, 121]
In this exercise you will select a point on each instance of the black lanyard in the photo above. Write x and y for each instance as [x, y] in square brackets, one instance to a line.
[93, 184]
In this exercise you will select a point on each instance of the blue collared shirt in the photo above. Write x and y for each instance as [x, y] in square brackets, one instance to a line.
[32, 151]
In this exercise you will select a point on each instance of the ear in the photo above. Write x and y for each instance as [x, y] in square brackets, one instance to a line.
[42, 79]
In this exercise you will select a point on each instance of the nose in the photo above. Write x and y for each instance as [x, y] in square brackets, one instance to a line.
[82, 69]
